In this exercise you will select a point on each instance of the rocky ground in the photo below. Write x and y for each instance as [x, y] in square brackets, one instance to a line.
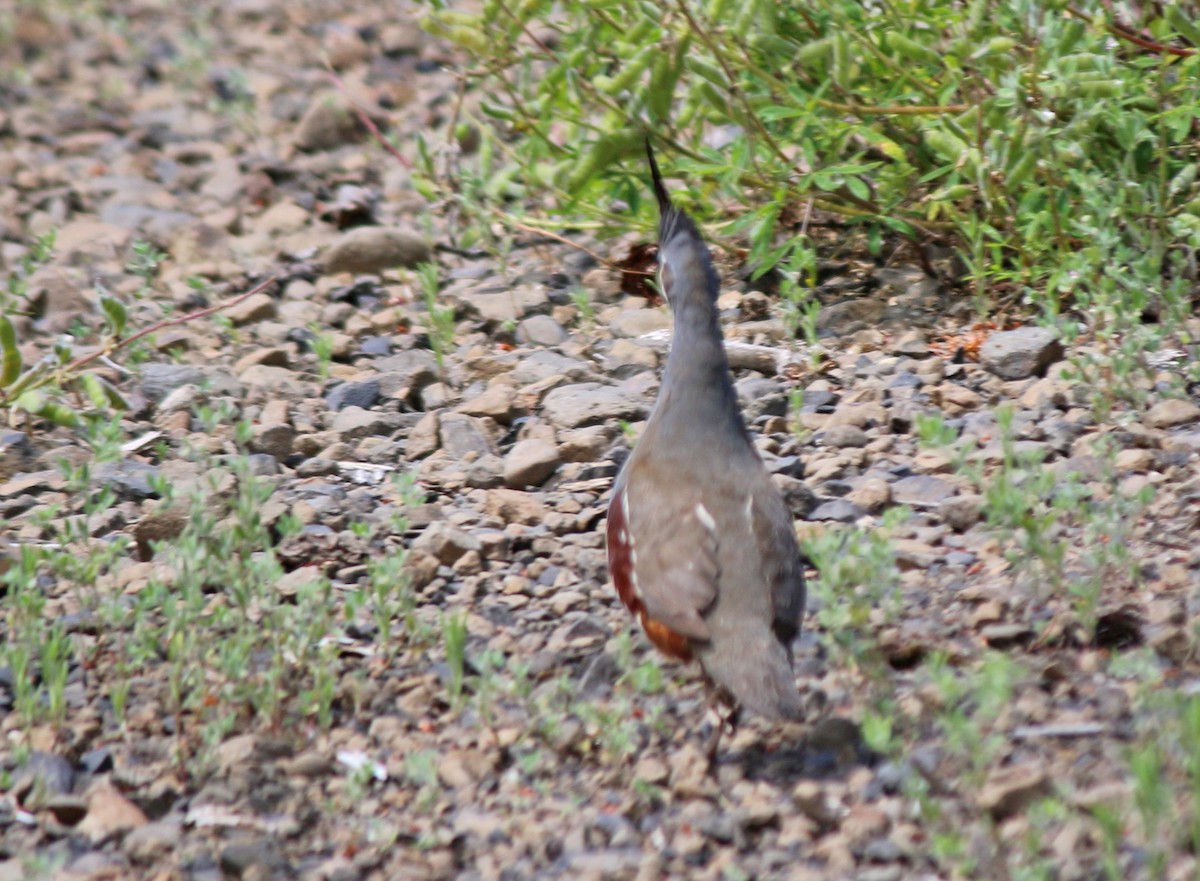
[368, 633]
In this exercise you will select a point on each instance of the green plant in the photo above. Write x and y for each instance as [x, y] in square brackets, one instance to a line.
[420, 770]
[145, 262]
[454, 638]
[1152, 801]
[41, 390]
[1020, 498]
[857, 575]
[441, 317]
[581, 299]
[645, 677]
[1049, 144]
[800, 308]
[13, 296]
[322, 346]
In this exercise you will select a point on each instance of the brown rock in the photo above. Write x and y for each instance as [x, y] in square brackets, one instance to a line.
[445, 542]
[274, 439]
[110, 813]
[1172, 412]
[423, 439]
[583, 444]
[58, 298]
[872, 495]
[530, 462]
[497, 402]
[371, 249]
[157, 527]
[329, 122]
[1009, 790]
[513, 506]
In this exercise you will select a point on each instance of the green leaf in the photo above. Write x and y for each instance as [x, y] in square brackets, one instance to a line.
[858, 188]
[39, 404]
[93, 387]
[115, 313]
[10, 355]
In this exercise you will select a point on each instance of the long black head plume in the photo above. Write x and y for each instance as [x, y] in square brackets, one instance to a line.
[682, 253]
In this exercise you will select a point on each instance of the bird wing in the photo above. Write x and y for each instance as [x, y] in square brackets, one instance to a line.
[781, 560]
[674, 555]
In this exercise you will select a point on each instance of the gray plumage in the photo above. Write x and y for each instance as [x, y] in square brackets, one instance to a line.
[716, 553]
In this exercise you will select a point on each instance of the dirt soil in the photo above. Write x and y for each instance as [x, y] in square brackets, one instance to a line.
[314, 671]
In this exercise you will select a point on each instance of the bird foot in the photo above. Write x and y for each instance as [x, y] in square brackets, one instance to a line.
[725, 723]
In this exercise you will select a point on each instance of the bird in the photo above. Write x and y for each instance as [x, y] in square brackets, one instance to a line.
[701, 545]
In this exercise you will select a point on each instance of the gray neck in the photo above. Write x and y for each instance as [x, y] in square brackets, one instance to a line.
[697, 388]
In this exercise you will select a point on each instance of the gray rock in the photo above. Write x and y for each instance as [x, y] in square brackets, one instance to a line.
[743, 356]
[627, 357]
[849, 316]
[272, 379]
[922, 491]
[317, 467]
[371, 249]
[837, 510]
[411, 369]
[42, 776]
[843, 436]
[583, 444]
[530, 462]
[375, 346]
[497, 401]
[130, 478]
[540, 330]
[498, 307]
[905, 379]
[462, 434]
[155, 224]
[637, 322]
[960, 513]
[353, 423]
[1020, 353]
[353, 394]
[159, 380]
[153, 841]
[16, 453]
[801, 500]
[588, 403]
[759, 396]
[912, 343]
[486, 472]
[540, 365]
[870, 493]
[256, 858]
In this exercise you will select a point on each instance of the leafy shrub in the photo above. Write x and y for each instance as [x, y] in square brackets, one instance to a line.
[1051, 144]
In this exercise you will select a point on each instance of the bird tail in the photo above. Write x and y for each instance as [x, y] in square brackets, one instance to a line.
[758, 672]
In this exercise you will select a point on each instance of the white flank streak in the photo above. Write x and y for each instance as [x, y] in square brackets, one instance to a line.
[704, 517]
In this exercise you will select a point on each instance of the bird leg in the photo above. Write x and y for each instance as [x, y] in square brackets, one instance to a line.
[719, 701]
